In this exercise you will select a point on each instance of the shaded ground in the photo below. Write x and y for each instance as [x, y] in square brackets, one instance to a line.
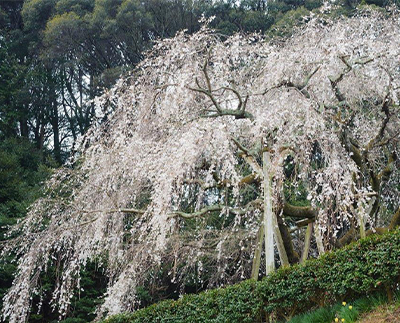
[383, 314]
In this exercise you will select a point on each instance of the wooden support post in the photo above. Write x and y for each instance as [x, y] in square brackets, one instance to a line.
[279, 242]
[268, 217]
[255, 269]
[361, 222]
[307, 242]
[318, 239]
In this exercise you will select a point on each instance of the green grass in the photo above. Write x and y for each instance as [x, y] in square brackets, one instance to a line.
[350, 312]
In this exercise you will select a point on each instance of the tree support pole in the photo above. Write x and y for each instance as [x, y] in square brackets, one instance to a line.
[307, 242]
[361, 222]
[318, 239]
[268, 217]
[255, 269]
[279, 242]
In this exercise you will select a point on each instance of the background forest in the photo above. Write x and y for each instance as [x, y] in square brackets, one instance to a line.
[56, 56]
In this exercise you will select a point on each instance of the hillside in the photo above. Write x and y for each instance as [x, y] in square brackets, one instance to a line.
[346, 274]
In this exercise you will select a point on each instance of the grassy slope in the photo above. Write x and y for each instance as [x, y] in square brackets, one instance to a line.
[370, 309]
[384, 313]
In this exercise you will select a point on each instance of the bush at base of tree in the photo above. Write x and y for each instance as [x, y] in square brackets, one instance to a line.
[369, 265]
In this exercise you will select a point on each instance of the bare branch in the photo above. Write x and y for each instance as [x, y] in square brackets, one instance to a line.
[238, 113]
[300, 87]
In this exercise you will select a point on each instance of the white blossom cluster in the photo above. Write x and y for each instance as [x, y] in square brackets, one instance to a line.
[164, 149]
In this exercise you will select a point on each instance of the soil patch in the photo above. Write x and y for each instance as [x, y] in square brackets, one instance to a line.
[383, 314]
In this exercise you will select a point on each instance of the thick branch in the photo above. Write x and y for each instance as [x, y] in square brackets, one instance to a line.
[299, 211]
[335, 80]
[209, 94]
[353, 149]
[249, 179]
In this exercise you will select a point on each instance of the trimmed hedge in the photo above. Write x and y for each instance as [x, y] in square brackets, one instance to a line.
[369, 265]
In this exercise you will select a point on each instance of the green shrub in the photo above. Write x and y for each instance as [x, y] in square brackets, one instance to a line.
[367, 266]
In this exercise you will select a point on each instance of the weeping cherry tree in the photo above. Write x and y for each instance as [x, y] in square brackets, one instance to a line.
[196, 153]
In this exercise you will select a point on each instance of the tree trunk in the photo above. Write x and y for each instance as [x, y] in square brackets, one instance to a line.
[55, 123]
[23, 125]
[56, 133]
[292, 255]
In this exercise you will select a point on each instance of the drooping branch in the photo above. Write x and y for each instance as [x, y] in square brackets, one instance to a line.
[122, 210]
[308, 214]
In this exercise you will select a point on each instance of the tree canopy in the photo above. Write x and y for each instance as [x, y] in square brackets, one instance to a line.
[206, 141]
